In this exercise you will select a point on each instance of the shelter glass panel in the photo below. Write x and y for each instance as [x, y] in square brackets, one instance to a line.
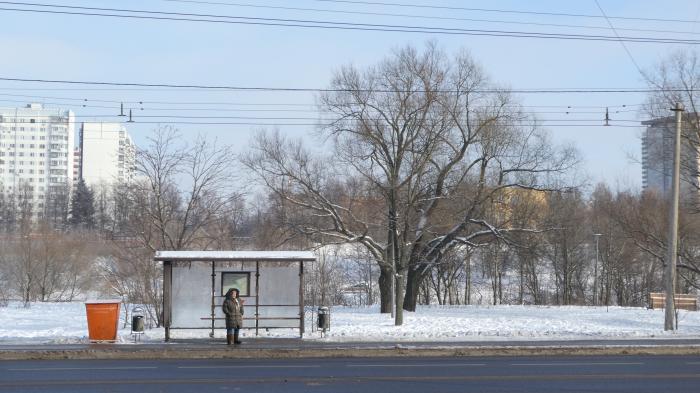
[191, 297]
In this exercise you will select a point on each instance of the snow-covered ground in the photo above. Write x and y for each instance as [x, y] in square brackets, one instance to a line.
[61, 323]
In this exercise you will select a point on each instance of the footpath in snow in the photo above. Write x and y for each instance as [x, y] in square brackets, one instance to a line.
[65, 323]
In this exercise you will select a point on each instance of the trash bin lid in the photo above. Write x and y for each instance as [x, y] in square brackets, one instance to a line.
[103, 301]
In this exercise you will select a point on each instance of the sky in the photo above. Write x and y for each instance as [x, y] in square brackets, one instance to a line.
[95, 48]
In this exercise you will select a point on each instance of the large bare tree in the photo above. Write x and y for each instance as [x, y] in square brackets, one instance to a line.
[422, 144]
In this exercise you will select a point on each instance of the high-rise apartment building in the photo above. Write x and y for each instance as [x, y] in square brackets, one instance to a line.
[36, 154]
[107, 155]
[657, 158]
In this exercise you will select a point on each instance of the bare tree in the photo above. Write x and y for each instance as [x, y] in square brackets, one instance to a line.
[180, 201]
[567, 246]
[420, 137]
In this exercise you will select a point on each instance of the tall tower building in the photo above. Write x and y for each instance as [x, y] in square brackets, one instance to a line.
[36, 155]
[107, 155]
[657, 158]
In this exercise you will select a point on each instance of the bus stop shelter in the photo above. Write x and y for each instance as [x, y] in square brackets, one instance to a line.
[271, 284]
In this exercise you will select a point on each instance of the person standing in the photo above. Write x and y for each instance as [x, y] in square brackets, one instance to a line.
[233, 309]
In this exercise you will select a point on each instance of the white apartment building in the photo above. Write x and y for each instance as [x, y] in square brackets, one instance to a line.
[36, 153]
[107, 155]
[657, 159]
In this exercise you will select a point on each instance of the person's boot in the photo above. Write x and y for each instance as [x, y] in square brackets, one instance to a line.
[235, 338]
[229, 339]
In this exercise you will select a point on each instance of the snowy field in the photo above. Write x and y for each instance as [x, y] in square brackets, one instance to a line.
[65, 323]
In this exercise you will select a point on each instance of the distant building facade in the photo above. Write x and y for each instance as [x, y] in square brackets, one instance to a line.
[36, 155]
[107, 155]
[657, 158]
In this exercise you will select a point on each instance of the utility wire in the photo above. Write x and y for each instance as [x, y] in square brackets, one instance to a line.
[597, 120]
[142, 110]
[346, 12]
[423, 6]
[136, 121]
[639, 69]
[228, 19]
[141, 107]
[320, 90]
[142, 102]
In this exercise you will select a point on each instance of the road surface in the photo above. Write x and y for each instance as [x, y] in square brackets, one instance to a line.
[632, 374]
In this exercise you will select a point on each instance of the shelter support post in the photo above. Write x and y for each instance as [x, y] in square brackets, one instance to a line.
[213, 297]
[167, 297]
[301, 299]
[257, 297]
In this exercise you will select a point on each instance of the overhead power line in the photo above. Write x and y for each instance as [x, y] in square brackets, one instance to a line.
[321, 90]
[229, 19]
[276, 124]
[141, 112]
[503, 11]
[428, 17]
[322, 120]
[234, 107]
[639, 69]
[84, 100]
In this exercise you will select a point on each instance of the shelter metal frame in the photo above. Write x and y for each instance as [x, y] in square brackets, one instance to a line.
[168, 258]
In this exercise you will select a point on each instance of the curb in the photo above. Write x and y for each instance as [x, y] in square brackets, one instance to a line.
[395, 352]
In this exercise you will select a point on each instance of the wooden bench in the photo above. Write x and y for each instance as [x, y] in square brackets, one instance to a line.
[682, 301]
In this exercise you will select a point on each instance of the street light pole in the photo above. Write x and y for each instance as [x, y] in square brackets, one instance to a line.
[595, 270]
[670, 270]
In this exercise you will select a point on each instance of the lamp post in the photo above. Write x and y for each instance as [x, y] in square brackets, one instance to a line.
[595, 270]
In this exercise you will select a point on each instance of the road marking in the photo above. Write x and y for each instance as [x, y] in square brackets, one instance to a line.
[580, 364]
[82, 368]
[420, 365]
[345, 381]
[693, 363]
[253, 366]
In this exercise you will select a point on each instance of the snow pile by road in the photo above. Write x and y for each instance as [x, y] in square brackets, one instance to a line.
[57, 323]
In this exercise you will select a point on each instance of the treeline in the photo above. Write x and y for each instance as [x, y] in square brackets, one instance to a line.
[604, 248]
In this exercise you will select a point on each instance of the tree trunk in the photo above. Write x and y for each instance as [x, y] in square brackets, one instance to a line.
[412, 288]
[468, 280]
[385, 277]
[400, 292]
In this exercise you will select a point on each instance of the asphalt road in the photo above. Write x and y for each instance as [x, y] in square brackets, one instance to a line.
[407, 375]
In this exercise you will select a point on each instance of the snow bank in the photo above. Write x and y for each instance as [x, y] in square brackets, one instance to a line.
[60, 323]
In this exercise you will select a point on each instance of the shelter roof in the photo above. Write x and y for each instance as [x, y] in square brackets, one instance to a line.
[223, 256]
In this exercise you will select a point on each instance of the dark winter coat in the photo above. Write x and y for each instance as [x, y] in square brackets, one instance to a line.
[233, 309]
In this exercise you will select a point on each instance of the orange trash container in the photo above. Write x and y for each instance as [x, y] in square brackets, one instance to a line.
[102, 319]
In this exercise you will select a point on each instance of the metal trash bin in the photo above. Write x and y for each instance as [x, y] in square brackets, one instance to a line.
[324, 318]
[137, 323]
